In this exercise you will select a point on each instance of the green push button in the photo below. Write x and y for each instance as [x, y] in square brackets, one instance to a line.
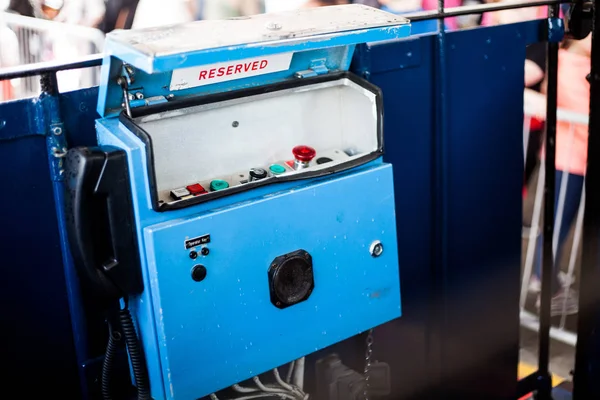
[218, 184]
[277, 169]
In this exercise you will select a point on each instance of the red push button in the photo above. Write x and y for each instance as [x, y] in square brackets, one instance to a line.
[196, 189]
[304, 153]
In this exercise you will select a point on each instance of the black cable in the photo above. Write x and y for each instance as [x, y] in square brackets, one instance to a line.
[114, 342]
[136, 357]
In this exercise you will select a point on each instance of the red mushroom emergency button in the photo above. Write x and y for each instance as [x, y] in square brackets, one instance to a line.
[303, 155]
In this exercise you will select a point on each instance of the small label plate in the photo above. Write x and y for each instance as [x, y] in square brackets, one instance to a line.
[230, 70]
[197, 241]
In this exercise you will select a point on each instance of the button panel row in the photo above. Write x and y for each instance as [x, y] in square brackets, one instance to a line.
[254, 174]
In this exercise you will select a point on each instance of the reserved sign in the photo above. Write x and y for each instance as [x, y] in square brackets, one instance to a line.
[227, 71]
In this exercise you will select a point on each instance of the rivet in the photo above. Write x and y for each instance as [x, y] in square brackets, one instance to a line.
[274, 26]
[376, 248]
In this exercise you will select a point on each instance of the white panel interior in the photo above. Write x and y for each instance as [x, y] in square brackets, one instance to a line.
[201, 143]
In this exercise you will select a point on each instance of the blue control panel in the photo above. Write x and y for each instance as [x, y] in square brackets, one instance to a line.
[263, 210]
[230, 317]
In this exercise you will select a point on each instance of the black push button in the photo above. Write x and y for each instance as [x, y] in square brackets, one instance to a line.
[199, 273]
[323, 160]
[257, 174]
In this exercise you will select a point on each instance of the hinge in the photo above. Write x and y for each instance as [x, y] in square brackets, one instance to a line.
[137, 99]
[317, 67]
[57, 146]
[134, 98]
[125, 80]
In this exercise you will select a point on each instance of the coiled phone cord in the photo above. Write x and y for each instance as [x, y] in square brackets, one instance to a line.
[114, 340]
[136, 357]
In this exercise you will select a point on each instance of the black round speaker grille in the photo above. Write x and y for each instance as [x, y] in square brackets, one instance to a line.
[293, 280]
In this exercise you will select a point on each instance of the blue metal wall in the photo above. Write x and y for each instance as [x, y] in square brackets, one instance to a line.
[458, 205]
[458, 185]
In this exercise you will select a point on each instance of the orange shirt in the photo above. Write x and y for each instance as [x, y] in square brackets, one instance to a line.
[573, 94]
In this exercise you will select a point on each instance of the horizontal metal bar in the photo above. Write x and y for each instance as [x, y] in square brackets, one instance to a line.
[24, 71]
[93, 35]
[532, 322]
[479, 9]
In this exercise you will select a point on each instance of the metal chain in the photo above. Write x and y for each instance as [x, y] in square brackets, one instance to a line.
[368, 356]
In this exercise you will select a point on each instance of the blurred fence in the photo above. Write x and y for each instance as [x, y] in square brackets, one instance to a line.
[564, 327]
[26, 40]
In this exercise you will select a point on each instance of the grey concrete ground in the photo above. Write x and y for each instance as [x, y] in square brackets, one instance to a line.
[562, 356]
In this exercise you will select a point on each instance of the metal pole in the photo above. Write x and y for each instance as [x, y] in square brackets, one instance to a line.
[545, 379]
[587, 354]
[440, 230]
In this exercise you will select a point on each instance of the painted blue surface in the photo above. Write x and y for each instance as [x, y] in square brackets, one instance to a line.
[228, 318]
[151, 315]
[458, 335]
[36, 317]
[171, 326]
[458, 207]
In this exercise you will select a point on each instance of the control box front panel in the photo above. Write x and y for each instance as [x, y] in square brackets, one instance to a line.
[243, 289]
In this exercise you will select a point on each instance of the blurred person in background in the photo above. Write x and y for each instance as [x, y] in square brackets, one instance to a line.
[402, 7]
[153, 13]
[9, 57]
[514, 15]
[325, 3]
[535, 103]
[573, 94]
[370, 3]
[45, 9]
[39, 45]
[88, 13]
[9, 45]
[220, 9]
[451, 23]
[118, 14]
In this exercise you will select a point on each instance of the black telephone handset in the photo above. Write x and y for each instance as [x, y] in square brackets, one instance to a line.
[100, 221]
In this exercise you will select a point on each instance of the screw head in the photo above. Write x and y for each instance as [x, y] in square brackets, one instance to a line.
[376, 248]
[274, 26]
[57, 131]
